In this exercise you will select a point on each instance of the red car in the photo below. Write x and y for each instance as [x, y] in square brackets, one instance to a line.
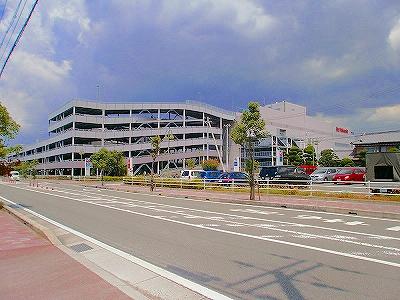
[350, 174]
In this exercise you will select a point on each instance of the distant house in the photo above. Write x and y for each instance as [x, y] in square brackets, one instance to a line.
[376, 141]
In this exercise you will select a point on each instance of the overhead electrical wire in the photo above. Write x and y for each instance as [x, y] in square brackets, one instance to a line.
[13, 30]
[18, 37]
[11, 23]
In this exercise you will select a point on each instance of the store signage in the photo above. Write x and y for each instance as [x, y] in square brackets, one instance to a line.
[342, 130]
[236, 164]
[279, 157]
[130, 166]
[88, 166]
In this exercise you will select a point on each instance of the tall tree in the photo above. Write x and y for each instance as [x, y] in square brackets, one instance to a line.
[295, 156]
[101, 160]
[347, 162]
[250, 129]
[190, 163]
[361, 156]
[309, 155]
[328, 158]
[8, 130]
[155, 152]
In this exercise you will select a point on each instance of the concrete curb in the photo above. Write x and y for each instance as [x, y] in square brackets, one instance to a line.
[35, 226]
[358, 212]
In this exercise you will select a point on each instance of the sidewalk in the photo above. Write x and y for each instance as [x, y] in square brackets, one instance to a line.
[381, 209]
[32, 268]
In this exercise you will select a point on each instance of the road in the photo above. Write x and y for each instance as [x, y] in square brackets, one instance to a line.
[243, 252]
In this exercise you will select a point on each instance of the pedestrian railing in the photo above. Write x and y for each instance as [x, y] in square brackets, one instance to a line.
[278, 186]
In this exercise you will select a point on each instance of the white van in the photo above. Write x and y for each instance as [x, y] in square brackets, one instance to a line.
[191, 174]
[14, 175]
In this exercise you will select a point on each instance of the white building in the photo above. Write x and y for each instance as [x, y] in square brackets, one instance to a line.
[288, 124]
[199, 131]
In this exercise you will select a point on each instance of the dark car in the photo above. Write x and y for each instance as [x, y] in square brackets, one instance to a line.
[270, 171]
[292, 176]
[211, 175]
[229, 177]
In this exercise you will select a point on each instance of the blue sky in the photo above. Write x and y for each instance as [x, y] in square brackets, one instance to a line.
[339, 58]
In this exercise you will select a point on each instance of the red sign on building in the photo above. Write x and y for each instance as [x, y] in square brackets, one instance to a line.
[342, 130]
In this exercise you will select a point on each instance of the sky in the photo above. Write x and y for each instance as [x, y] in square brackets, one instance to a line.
[339, 58]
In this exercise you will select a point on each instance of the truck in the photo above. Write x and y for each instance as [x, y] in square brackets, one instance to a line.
[383, 171]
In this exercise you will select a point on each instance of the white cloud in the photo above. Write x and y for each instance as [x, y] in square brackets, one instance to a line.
[34, 76]
[325, 68]
[368, 119]
[394, 37]
[386, 114]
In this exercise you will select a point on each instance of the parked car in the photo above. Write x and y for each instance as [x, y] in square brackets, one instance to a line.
[229, 177]
[350, 174]
[211, 175]
[270, 171]
[14, 175]
[191, 174]
[292, 176]
[309, 169]
[324, 174]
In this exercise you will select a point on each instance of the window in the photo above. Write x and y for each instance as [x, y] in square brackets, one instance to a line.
[383, 172]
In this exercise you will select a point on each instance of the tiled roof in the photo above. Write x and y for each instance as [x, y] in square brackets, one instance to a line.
[378, 138]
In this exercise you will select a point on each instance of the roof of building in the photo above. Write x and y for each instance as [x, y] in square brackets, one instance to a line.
[392, 136]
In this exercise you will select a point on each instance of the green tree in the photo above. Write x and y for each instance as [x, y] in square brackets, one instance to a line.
[190, 163]
[102, 161]
[328, 158]
[309, 155]
[155, 152]
[295, 156]
[347, 162]
[27, 168]
[250, 129]
[210, 165]
[393, 149]
[361, 158]
[8, 130]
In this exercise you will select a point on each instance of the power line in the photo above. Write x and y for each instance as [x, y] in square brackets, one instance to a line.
[12, 33]
[11, 22]
[18, 37]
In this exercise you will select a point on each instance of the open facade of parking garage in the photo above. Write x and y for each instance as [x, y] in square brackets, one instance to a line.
[188, 130]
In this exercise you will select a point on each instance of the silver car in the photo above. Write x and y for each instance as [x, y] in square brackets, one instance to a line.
[323, 174]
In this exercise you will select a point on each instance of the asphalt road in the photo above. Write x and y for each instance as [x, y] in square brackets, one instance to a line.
[244, 252]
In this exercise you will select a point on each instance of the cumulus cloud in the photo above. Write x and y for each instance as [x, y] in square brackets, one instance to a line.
[394, 37]
[367, 119]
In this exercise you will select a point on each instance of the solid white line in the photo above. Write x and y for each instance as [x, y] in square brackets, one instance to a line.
[160, 271]
[233, 215]
[240, 204]
[234, 233]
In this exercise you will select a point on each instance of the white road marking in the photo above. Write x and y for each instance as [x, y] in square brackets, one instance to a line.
[238, 216]
[333, 221]
[356, 223]
[231, 232]
[162, 272]
[239, 204]
[396, 228]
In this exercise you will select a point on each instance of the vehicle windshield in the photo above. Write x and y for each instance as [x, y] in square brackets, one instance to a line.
[185, 173]
[285, 170]
[345, 171]
[320, 171]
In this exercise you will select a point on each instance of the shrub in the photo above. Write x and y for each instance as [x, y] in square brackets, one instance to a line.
[210, 165]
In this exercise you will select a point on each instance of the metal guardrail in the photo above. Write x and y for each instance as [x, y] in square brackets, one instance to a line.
[302, 187]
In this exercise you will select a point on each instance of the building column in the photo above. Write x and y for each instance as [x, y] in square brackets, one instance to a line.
[158, 118]
[103, 114]
[184, 118]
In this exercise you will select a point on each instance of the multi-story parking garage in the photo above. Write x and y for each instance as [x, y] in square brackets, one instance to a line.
[189, 130]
